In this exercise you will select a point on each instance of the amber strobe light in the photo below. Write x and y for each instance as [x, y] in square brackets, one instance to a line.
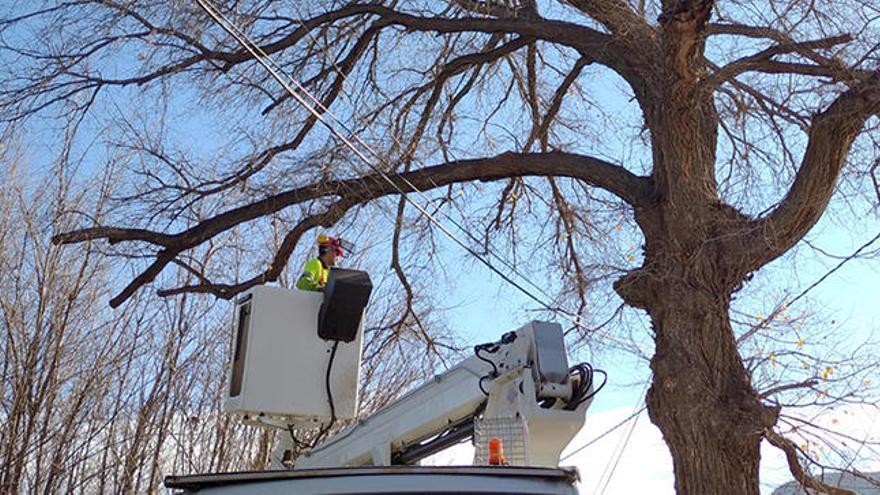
[496, 452]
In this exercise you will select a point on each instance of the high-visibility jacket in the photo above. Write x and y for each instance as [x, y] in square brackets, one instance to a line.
[314, 276]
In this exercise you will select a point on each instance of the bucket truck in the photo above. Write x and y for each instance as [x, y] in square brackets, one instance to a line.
[517, 395]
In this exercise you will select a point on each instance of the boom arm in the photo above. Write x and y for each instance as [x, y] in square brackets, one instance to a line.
[529, 384]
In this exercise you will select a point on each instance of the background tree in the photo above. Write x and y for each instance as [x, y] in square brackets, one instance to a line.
[95, 400]
[719, 130]
[91, 400]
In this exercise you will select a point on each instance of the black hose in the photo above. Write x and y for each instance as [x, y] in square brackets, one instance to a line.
[325, 429]
[327, 382]
[491, 348]
[600, 387]
[581, 393]
[487, 348]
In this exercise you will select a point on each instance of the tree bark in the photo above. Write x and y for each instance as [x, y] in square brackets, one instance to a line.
[701, 398]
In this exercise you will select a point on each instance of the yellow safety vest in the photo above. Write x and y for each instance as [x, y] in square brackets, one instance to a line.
[314, 276]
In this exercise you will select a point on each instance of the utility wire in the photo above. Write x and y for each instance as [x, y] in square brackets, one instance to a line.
[621, 448]
[753, 330]
[266, 61]
[838, 266]
[638, 408]
[619, 455]
[605, 433]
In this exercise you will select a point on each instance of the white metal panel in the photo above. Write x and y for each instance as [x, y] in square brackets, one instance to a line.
[285, 361]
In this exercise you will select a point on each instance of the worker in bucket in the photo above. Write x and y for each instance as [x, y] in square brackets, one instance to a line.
[314, 275]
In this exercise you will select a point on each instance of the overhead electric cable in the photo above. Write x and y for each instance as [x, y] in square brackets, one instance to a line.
[621, 448]
[604, 434]
[619, 455]
[638, 408]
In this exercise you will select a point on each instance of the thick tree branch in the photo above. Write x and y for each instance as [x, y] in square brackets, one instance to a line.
[602, 48]
[162, 259]
[835, 68]
[830, 137]
[619, 18]
[746, 30]
[114, 235]
[633, 189]
[581, 38]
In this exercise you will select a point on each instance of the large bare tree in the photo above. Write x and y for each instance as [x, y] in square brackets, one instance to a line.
[720, 128]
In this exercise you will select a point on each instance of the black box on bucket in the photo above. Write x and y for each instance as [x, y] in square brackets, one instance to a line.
[345, 297]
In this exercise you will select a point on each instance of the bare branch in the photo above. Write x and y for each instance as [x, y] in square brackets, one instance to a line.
[762, 61]
[614, 178]
[114, 235]
[791, 456]
[830, 137]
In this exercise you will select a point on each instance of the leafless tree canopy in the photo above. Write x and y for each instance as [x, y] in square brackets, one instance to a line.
[94, 400]
[719, 130]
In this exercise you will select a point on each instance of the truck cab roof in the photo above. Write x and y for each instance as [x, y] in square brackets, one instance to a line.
[391, 480]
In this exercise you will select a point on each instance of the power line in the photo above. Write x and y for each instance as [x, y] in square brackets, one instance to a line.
[838, 266]
[753, 330]
[604, 434]
[638, 408]
[634, 417]
[619, 455]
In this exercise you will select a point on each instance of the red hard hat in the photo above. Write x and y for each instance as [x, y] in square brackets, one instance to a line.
[330, 242]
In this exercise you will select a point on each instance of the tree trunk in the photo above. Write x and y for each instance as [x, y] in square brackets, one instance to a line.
[701, 397]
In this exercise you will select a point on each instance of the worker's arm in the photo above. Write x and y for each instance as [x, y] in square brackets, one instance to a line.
[311, 276]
